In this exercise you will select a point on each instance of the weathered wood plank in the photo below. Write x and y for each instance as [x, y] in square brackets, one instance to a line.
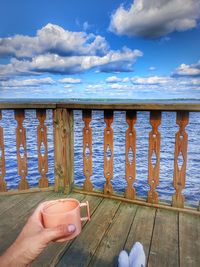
[189, 240]
[114, 104]
[114, 240]
[8, 202]
[14, 219]
[85, 245]
[164, 246]
[141, 229]
[63, 149]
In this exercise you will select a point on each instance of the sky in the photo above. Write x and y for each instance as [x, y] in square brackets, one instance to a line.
[142, 49]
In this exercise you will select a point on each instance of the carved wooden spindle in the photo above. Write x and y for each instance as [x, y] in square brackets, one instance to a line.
[21, 149]
[108, 151]
[42, 148]
[154, 156]
[87, 149]
[3, 185]
[180, 158]
[130, 167]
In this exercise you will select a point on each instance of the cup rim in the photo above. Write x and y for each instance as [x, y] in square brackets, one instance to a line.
[53, 202]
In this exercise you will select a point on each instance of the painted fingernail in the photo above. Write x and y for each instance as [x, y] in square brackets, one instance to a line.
[71, 228]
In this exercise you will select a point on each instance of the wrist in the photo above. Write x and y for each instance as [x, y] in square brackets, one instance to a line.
[12, 258]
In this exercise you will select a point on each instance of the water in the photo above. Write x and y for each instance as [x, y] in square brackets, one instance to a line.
[168, 128]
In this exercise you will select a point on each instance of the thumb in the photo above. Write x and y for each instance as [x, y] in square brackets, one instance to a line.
[63, 230]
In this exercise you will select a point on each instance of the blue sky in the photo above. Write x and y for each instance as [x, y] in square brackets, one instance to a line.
[100, 49]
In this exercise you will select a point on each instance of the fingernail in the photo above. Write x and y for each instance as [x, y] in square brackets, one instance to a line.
[71, 228]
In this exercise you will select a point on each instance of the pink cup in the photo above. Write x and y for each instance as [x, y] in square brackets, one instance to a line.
[65, 211]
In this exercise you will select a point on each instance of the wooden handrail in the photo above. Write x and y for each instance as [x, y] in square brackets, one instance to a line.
[102, 104]
[64, 144]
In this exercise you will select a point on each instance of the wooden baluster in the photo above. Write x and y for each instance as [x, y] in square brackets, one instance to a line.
[108, 151]
[87, 149]
[130, 167]
[63, 150]
[3, 185]
[21, 149]
[154, 156]
[42, 145]
[180, 157]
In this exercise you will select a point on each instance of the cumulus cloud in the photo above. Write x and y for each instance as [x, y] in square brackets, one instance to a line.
[155, 18]
[27, 82]
[114, 79]
[116, 61]
[152, 80]
[188, 70]
[53, 39]
[119, 86]
[56, 50]
[70, 80]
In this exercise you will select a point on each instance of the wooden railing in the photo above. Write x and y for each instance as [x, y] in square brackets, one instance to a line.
[64, 147]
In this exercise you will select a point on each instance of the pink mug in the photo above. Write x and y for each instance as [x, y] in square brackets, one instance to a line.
[65, 211]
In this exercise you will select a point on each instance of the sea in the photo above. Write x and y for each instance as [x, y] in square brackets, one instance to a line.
[168, 129]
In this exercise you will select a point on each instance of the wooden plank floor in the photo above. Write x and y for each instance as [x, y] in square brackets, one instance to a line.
[169, 238]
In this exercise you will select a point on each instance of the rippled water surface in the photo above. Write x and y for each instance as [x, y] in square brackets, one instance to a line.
[168, 128]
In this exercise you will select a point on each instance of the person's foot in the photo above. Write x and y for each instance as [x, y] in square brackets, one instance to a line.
[123, 259]
[137, 256]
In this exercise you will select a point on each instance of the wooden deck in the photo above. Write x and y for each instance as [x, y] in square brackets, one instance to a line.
[169, 238]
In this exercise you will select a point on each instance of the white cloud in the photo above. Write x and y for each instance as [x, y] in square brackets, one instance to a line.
[27, 82]
[152, 80]
[119, 86]
[113, 79]
[188, 70]
[155, 18]
[70, 80]
[53, 39]
[55, 50]
[115, 61]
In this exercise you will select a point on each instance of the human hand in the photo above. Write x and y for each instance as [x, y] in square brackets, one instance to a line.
[32, 240]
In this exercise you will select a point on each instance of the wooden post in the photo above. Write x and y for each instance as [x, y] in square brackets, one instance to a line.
[21, 149]
[3, 185]
[87, 149]
[181, 143]
[42, 145]
[130, 166]
[63, 150]
[108, 151]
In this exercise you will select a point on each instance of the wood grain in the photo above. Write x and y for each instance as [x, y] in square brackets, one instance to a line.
[130, 164]
[21, 149]
[108, 151]
[42, 143]
[180, 153]
[154, 150]
[189, 239]
[87, 150]
[63, 150]
[164, 245]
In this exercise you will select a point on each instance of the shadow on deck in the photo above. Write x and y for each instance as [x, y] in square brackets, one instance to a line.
[169, 238]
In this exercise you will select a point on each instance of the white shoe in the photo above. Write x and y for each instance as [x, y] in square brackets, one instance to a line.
[137, 256]
[123, 259]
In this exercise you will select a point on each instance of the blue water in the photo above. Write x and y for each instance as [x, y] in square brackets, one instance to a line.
[167, 128]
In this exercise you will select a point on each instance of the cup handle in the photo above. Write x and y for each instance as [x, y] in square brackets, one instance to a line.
[85, 204]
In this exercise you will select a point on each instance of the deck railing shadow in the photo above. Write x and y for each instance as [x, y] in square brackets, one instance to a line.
[63, 133]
